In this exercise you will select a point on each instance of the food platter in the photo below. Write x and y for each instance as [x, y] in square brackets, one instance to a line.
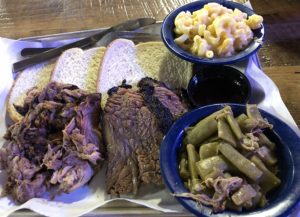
[265, 94]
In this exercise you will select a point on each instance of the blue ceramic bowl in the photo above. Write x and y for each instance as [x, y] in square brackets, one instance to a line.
[168, 35]
[282, 201]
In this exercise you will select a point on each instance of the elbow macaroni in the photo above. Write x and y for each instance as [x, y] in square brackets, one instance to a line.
[215, 30]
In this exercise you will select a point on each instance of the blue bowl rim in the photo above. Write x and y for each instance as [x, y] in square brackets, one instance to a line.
[237, 71]
[166, 35]
[287, 204]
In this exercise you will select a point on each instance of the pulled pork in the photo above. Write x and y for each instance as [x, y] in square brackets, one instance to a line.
[223, 188]
[57, 144]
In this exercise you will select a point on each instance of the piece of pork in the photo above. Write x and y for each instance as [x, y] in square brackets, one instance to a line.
[223, 187]
[73, 174]
[59, 136]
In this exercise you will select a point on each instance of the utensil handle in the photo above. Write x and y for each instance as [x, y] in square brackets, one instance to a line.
[82, 43]
[18, 66]
[33, 51]
[136, 37]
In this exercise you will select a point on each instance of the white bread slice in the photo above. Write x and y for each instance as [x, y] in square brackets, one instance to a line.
[119, 63]
[34, 76]
[68, 68]
[159, 63]
[78, 67]
[79, 64]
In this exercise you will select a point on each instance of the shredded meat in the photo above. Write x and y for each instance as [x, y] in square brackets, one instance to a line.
[250, 142]
[223, 188]
[57, 143]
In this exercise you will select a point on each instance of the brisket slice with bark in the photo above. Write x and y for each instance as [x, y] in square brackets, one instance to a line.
[135, 122]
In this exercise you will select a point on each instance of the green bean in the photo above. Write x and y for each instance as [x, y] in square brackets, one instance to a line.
[241, 118]
[244, 194]
[229, 146]
[240, 162]
[206, 166]
[248, 204]
[263, 140]
[225, 132]
[274, 169]
[227, 175]
[189, 184]
[256, 199]
[268, 180]
[208, 150]
[183, 171]
[230, 205]
[186, 184]
[197, 186]
[213, 138]
[215, 173]
[192, 159]
[233, 124]
[202, 130]
[266, 156]
[263, 201]
[246, 124]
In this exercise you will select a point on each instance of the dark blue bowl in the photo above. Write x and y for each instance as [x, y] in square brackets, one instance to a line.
[282, 201]
[168, 35]
[218, 84]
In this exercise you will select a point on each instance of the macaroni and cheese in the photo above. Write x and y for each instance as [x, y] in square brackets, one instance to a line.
[215, 30]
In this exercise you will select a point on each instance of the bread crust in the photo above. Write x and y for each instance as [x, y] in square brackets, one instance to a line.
[12, 115]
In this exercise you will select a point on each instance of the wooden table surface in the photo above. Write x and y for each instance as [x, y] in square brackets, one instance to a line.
[280, 55]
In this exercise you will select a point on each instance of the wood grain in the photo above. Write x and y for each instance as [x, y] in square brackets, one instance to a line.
[39, 17]
[282, 23]
[287, 78]
[282, 20]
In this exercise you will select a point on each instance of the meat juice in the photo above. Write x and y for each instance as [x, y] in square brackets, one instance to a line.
[218, 90]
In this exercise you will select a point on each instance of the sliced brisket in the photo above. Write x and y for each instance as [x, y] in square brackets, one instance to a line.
[134, 125]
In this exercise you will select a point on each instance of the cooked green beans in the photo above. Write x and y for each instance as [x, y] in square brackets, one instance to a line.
[242, 163]
[233, 123]
[193, 157]
[208, 150]
[268, 181]
[215, 173]
[225, 133]
[244, 194]
[183, 168]
[263, 140]
[206, 166]
[266, 155]
[235, 162]
[246, 124]
[202, 130]
[242, 117]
